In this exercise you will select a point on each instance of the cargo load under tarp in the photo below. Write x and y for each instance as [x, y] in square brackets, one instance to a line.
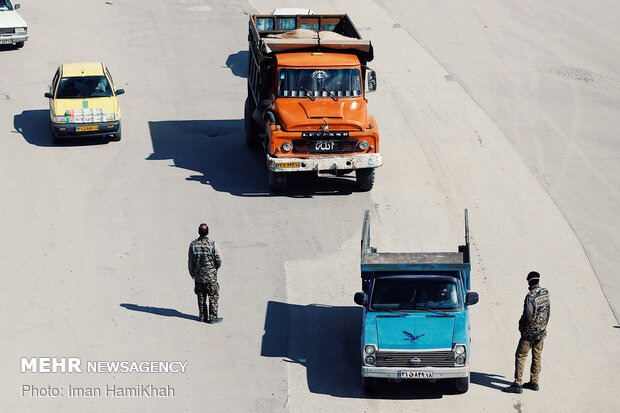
[272, 34]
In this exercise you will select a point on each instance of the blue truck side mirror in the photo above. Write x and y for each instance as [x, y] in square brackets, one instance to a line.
[360, 298]
[471, 298]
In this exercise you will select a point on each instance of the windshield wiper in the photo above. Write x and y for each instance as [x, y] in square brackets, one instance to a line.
[310, 94]
[435, 311]
[331, 95]
[393, 311]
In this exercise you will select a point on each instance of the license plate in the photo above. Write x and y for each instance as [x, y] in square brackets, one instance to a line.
[288, 165]
[415, 374]
[5, 41]
[86, 128]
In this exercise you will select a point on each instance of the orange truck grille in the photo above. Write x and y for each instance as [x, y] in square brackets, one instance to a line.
[325, 146]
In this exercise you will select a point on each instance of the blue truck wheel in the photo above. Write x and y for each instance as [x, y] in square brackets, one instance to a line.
[462, 384]
[369, 384]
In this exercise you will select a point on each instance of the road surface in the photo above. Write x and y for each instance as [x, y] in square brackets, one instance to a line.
[95, 234]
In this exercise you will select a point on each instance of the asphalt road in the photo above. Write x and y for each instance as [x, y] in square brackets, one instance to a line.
[95, 234]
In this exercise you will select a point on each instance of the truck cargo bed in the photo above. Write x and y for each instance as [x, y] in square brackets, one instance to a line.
[263, 26]
[417, 261]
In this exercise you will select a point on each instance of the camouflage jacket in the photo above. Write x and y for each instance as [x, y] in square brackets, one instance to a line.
[203, 259]
[536, 311]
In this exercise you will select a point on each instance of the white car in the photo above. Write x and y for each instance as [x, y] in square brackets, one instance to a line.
[13, 29]
[290, 11]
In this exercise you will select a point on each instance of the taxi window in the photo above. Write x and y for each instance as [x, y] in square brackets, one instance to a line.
[83, 87]
[109, 77]
[55, 80]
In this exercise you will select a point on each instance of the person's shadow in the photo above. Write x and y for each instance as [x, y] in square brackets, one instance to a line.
[492, 381]
[165, 312]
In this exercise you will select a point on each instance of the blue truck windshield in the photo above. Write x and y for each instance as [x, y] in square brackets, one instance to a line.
[319, 83]
[415, 293]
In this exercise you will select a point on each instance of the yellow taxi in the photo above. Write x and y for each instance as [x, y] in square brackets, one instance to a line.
[83, 102]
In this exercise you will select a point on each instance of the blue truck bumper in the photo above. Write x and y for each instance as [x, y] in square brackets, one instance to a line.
[437, 372]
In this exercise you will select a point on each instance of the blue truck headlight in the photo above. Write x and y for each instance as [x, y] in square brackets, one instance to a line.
[460, 354]
[370, 360]
[369, 349]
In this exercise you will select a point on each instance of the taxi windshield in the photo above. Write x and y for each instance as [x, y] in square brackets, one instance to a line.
[83, 87]
[5, 5]
[415, 293]
[319, 83]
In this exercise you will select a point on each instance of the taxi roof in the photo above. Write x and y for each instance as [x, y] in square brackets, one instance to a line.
[82, 69]
[314, 59]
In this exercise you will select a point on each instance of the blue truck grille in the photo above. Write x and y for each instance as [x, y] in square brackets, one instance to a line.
[415, 358]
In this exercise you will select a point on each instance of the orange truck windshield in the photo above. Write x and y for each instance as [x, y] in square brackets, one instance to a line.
[319, 83]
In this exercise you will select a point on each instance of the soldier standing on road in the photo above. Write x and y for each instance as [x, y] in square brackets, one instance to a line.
[204, 260]
[533, 328]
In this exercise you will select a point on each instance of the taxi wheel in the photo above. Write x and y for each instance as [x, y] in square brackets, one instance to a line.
[19, 45]
[55, 138]
[117, 135]
[369, 384]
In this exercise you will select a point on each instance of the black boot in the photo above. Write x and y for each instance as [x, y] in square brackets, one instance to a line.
[513, 388]
[531, 386]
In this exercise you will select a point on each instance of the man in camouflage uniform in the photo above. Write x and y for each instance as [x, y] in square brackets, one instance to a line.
[203, 261]
[533, 328]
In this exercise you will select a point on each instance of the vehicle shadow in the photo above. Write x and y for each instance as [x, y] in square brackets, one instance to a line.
[216, 150]
[34, 126]
[326, 341]
[238, 63]
[6, 47]
[492, 381]
[166, 312]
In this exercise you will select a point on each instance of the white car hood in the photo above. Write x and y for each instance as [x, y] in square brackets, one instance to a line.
[10, 18]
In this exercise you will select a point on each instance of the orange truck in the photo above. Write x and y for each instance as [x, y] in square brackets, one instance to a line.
[306, 102]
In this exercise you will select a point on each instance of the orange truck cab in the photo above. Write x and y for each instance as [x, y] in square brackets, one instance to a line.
[306, 102]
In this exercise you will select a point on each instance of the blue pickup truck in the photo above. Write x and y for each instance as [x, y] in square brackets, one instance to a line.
[415, 314]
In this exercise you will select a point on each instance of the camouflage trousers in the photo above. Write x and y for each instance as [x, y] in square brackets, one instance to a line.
[208, 293]
[523, 349]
